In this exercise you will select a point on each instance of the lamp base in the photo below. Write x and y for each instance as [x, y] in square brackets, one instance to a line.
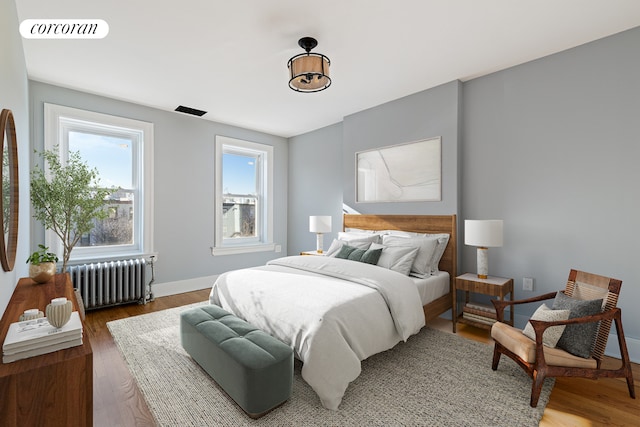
[483, 262]
[319, 243]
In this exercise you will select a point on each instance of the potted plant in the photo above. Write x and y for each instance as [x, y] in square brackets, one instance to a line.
[42, 264]
[67, 198]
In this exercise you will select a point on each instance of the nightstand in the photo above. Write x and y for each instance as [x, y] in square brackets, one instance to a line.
[312, 253]
[470, 282]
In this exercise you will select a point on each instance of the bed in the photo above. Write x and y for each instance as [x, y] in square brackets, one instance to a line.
[335, 312]
[432, 224]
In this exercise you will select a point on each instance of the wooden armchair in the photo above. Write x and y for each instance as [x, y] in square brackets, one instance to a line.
[540, 361]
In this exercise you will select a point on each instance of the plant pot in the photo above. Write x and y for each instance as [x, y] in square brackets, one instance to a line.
[43, 272]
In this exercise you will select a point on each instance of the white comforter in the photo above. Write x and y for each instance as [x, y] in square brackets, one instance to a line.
[333, 312]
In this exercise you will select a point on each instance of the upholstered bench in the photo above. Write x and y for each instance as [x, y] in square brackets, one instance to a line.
[253, 368]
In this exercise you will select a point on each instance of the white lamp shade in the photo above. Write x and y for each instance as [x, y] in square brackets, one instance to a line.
[320, 224]
[483, 233]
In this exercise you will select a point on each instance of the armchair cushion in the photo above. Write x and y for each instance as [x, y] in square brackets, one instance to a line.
[515, 341]
[578, 339]
[552, 334]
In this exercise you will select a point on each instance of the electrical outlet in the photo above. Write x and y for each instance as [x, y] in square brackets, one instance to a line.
[278, 248]
[527, 283]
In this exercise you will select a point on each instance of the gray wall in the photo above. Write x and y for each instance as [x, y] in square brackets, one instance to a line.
[183, 182]
[433, 112]
[315, 185]
[14, 96]
[552, 148]
[322, 162]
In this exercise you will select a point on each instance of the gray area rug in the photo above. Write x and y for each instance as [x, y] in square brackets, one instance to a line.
[434, 379]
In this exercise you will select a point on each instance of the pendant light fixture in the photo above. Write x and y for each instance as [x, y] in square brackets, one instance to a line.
[309, 72]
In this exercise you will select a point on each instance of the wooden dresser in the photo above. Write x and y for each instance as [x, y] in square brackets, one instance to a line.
[51, 389]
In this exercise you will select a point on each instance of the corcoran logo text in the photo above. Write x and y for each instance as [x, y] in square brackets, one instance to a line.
[64, 29]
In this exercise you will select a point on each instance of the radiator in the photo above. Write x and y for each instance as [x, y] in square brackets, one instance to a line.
[110, 283]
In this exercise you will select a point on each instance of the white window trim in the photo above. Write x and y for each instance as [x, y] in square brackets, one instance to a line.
[266, 241]
[54, 129]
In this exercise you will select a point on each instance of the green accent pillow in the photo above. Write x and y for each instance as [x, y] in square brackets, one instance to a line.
[369, 256]
[345, 251]
[356, 255]
[578, 339]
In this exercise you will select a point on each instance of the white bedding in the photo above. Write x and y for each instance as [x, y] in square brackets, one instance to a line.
[432, 287]
[333, 312]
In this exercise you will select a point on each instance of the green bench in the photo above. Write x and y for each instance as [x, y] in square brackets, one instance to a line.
[252, 367]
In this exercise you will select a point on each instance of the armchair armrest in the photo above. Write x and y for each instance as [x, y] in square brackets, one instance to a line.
[500, 305]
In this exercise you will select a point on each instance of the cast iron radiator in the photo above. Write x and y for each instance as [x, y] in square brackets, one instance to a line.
[110, 283]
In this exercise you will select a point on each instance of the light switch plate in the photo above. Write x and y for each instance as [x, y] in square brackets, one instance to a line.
[527, 283]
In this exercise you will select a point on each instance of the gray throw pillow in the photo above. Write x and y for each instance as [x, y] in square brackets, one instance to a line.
[578, 339]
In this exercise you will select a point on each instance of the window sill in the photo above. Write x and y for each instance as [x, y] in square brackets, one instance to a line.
[233, 250]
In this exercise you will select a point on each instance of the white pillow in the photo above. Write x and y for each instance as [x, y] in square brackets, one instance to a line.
[336, 245]
[552, 334]
[443, 240]
[396, 258]
[402, 233]
[426, 248]
[348, 236]
[359, 230]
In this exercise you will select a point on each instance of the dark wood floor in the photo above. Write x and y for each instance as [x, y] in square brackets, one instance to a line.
[118, 402]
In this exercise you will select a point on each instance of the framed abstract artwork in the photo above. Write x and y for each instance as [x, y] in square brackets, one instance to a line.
[409, 172]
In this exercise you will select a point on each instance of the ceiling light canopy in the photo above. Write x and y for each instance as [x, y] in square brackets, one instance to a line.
[309, 72]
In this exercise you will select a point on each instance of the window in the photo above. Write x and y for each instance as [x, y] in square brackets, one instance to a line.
[122, 151]
[243, 201]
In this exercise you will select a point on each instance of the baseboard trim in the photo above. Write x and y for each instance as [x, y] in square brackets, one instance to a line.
[182, 286]
[633, 347]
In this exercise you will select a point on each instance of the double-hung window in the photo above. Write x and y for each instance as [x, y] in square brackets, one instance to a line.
[243, 201]
[121, 150]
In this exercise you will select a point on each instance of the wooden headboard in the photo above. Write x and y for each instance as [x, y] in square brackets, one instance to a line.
[416, 224]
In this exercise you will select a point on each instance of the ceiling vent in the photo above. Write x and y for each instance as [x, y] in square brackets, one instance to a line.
[189, 110]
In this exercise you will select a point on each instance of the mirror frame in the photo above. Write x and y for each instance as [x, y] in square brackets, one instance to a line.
[8, 133]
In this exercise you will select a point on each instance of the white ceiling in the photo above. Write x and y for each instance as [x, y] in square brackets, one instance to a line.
[228, 57]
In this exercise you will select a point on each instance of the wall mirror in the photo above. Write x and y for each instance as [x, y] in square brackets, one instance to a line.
[9, 195]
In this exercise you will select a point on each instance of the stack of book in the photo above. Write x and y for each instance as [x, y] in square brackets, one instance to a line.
[481, 313]
[35, 337]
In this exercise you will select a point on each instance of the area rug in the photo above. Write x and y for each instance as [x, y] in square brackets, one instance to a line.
[434, 379]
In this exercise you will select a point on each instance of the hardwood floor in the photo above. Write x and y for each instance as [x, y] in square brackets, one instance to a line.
[118, 402]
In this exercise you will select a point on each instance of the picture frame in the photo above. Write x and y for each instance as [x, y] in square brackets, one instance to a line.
[408, 172]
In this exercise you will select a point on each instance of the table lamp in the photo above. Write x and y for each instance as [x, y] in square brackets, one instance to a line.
[483, 234]
[319, 225]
